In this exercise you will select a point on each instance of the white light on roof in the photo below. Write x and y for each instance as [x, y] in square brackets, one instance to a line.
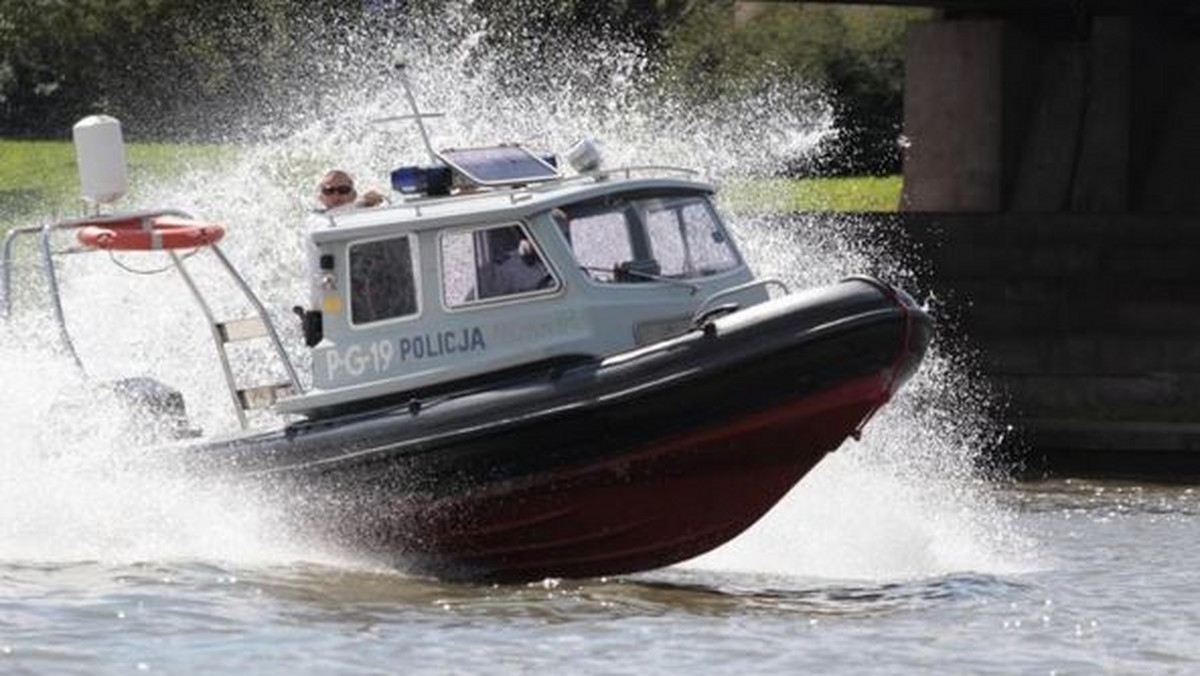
[585, 156]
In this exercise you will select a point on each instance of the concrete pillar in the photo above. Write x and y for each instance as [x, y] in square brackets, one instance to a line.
[953, 116]
[1026, 115]
[1044, 93]
[1165, 162]
[1102, 169]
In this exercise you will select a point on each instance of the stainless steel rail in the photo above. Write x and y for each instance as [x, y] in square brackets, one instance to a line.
[763, 282]
[49, 272]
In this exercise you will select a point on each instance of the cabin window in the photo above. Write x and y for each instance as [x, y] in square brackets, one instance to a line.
[685, 238]
[626, 239]
[484, 264]
[381, 280]
[600, 242]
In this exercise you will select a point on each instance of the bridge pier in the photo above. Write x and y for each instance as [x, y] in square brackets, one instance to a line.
[1020, 114]
[1052, 175]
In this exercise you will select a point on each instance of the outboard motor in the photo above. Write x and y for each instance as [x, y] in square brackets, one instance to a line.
[155, 411]
[144, 410]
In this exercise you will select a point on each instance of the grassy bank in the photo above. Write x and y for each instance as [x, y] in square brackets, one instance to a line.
[41, 175]
[864, 193]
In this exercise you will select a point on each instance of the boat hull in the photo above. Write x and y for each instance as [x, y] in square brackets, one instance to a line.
[634, 463]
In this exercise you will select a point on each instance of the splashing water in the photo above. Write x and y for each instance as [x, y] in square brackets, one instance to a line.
[69, 494]
[907, 500]
[902, 503]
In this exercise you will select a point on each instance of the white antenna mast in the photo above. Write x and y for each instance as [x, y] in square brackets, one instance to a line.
[416, 115]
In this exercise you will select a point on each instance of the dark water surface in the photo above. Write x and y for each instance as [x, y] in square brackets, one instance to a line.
[1113, 589]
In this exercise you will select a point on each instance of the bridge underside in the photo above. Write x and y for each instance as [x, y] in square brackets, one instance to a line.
[1020, 114]
[1063, 155]
[1052, 179]
[1040, 7]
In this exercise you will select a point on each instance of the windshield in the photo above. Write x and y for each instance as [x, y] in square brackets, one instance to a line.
[623, 239]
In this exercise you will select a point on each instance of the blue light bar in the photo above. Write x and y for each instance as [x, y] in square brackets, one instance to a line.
[431, 180]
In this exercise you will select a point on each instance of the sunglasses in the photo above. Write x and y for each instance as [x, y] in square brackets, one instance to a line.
[337, 190]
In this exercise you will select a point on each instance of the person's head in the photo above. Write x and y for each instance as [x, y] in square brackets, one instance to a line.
[336, 189]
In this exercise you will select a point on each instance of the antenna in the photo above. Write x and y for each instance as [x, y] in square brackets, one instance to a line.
[417, 116]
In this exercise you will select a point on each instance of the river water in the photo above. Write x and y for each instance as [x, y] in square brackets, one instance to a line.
[1107, 584]
[898, 554]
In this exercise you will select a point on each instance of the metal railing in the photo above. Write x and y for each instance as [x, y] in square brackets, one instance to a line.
[519, 193]
[49, 272]
[764, 282]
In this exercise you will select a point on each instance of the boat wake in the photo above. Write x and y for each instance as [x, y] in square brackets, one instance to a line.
[903, 503]
[69, 494]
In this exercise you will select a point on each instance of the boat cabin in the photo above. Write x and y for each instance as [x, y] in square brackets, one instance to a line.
[439, 289]
[488, 262]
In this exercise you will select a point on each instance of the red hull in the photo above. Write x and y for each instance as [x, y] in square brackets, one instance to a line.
[665, 503]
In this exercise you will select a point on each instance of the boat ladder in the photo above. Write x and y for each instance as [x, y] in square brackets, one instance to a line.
[227, 332]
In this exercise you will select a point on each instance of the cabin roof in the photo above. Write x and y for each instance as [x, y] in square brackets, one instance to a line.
[489, 205]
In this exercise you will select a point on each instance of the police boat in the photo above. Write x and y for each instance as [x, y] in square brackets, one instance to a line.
[520, 372]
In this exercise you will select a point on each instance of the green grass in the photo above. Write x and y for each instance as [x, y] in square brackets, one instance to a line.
[41, 175]
[866, 193]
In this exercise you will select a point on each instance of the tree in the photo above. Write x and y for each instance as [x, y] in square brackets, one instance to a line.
[168, 68]
[218, 68]
[854, 53]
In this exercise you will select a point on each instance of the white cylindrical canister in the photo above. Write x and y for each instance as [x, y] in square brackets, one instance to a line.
[100, 154]
[585, 156]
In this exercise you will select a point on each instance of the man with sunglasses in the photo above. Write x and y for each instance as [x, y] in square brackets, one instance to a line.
[337, 191]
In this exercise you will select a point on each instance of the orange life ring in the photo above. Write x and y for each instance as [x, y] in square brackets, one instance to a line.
[152, 234]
